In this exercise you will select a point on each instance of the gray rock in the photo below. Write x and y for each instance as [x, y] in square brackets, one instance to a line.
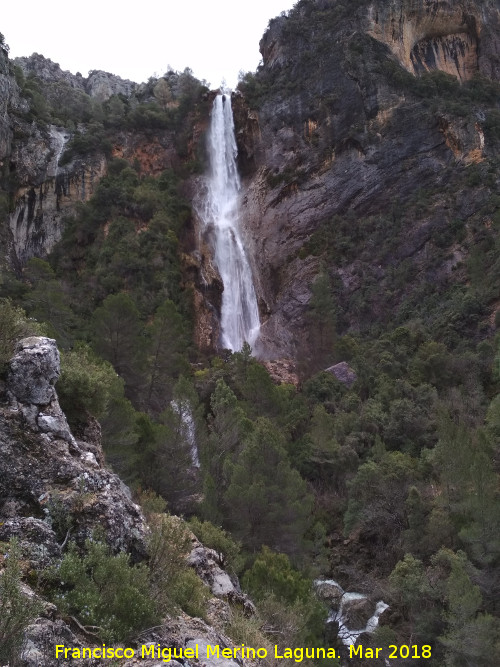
[212, 661]
[343, 372]
[44, 470]
[206, 563]
[37, 539]
[34, 370]
[41, 639]
[102, 85]
[98, 84]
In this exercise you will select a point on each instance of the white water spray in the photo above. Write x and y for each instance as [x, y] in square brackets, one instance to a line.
[187, 427]
[220, 211]
[349, 636]
[59, 138]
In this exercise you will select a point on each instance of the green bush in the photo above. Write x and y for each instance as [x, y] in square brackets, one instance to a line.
[272, 574]
[174, 585]
[87, 384]
[14, 325]
[286, 600]
[106, 592]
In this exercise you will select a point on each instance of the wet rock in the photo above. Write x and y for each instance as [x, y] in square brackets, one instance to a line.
[356, 611]
[329, 591]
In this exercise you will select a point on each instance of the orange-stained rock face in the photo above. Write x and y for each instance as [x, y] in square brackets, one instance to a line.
[152, 154]
[283, 371]
[426, 35]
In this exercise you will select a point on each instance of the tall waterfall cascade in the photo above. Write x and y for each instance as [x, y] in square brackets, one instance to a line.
[220, 211]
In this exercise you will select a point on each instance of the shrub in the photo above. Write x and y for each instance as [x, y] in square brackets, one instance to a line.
[248, 631]
[14, 325]
[17, 611]
[285, 600]
[87, 384]
[173, 583]
[106, 592]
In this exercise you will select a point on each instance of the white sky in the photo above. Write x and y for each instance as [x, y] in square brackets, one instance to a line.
[136, 40]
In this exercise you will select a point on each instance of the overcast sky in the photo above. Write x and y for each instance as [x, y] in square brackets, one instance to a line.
[136, 40]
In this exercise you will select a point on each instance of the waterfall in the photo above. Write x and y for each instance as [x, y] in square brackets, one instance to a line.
[220, 212]
[59, 139]
[349, 636]
[187, 427]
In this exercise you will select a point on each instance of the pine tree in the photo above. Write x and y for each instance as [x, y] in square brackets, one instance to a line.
[267, 501]
[166, 360]
[118, 338]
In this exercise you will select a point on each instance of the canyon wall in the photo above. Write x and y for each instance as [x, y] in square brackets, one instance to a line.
[326, 128]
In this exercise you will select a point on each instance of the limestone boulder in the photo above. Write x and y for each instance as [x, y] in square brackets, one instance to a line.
[34, 371]
[58, 484]
[343, 372]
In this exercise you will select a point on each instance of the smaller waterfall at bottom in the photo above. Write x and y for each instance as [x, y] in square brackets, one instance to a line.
[220, 211]
[347, 635]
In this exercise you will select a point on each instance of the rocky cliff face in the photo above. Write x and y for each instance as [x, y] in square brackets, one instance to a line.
[47, 192]
[42, 190]
[98, 84]
[426, 36]
[327, 128]
[6, 94]
[44, 466]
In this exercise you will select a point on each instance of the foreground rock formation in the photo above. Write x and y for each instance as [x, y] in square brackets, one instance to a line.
[46, 472]
[54, 486]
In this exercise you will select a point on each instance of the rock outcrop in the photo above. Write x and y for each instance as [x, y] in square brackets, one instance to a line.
[6, 87]
[48, 192]
[47, 474]
[207, 565]
[99, 85]
[343, 372]
[430, 35]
